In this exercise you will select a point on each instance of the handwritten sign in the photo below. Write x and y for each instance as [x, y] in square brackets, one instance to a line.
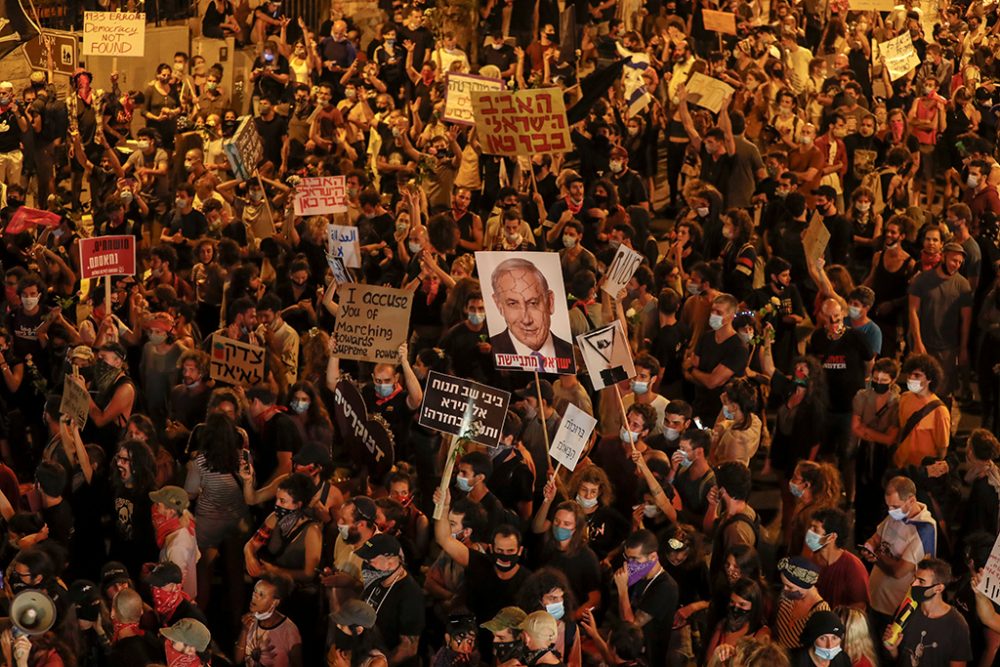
[572, 436]
[107, 256]
[815, 239]
[244, 149]
[75, 401]
[606, 355]
[871, 5]
[724, 22]
[458, 95]
[373, 322]
[321, 195]
[463, 407]
[114, 34]
[622, 269]
[522, 122]
[989, 581]
[708, 92]
[236, 363]
[343, 244]
[900, 56]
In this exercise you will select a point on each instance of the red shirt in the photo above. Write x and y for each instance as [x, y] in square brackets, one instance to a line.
[844, 583]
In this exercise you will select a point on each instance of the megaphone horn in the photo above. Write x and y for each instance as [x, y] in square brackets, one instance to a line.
[32, 612]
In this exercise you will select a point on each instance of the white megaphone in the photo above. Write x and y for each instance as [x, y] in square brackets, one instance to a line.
[32, 612]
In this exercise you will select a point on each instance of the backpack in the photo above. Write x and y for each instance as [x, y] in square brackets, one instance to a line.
[873, 181]
[757, 278]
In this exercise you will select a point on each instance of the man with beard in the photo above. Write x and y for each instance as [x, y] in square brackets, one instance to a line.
[355, 526]
[864, 150]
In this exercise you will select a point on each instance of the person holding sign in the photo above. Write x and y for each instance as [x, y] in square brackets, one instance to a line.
[716, 148]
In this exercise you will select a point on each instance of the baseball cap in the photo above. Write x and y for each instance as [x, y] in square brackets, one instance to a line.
[312, 453]
[189, 631]
[380, 544]
[87, 598]
[355, 612]
[542, 627]
[173, 497]
[954, 247]
[165, 573]
[82, 352]
[507, 618]
[364, 508]
[113, 573]
[531, 391]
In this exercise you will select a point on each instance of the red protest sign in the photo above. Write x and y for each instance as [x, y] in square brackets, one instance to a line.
[107, 256]
[25, 217]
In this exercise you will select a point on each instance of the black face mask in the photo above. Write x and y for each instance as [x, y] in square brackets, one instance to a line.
[737, 617]
[344, 641]
[881, 387]
[509, 562]
[505, 651]
[229, 127]
[921, 593]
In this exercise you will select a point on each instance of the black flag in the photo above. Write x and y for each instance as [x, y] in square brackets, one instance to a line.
[15, 28]
[593, 87]
[568, 38]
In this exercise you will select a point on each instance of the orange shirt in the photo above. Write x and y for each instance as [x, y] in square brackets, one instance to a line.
[928, 437]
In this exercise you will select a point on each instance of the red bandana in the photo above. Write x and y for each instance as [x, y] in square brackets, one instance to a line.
[121, 627]
[177, 659]
[574, 208]
[929, 260]
[165, 526]
[267, 413]
[166, 602]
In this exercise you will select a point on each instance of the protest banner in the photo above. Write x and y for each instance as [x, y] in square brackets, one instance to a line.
[900, 56]
[25, 216]
[373, 322]
[871, 5]
[464, 408]
[526, 314]
[107, 256]
[723, 22]
[340, 272]
[815, 238]
[606, 355]
[320, 195]
[114, 34]
[236, 363]
[622, 268]
[244, 149]
[708, 92]
[522, 122]
[75, 401]
[458, 95]
[343, 244]
[368, 437]
[571, 438]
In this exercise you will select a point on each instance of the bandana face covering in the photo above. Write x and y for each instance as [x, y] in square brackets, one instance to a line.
[177, 659]
[166, 602]
[121, 627]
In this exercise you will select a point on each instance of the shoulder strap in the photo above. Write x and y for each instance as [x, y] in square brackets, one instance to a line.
[916, 418]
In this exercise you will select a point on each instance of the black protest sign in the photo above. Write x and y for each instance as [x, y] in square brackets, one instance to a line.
[464, 408]
[368, 437]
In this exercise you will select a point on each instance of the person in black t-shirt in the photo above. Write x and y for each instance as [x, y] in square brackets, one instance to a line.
[274, 438]
[512, 479]
[719, 357]
[50, 482]
[467, 343]
[647, 595]
[668, 346]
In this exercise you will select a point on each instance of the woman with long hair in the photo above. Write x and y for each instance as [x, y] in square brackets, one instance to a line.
[745, 616]
[738, 255]
[866, 229]
[548, 590]
[140, 427]
[815, 486]
[133, 476]
[591, 489]
[309, 414]
[737, 431]
[564, 546]
[857, 642]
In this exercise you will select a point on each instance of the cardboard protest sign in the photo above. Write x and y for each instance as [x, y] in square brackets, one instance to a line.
[464, 408]
[340, 272]
[526, 313]
[107, 256]
[815, 239]
[458, 95]
[25, 217]
[368, 437]
[244, 149]
[373, 322]
[606, 355]
[622, 269]
[343, 244]
[522, 122]
[114, 34]
[900, 56]
[871, 5]
[989, 581]
[572, 436]
[724, 22]
[75, 401]
[321, 195]
[707, 92]
[236, 363]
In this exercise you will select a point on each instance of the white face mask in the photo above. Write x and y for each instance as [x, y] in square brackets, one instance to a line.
[615, 166]
[143, 145]
[914, 385]
[414, 247]
[864, 206]
[30, 302]
[157, 337]
[586, 503]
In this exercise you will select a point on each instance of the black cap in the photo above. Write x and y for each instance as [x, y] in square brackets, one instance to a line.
[364, 508]
[84, 592]
[313, 453]
[165, 573]
[379, 544]
[819, 624]
[531, 391]
[113, 573]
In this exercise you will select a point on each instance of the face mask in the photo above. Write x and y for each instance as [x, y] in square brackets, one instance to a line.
[263, 615]
[556, 610]
[792, 595]
[638, 571]
[530, 412]
[414, 247]
[814, 541]
[650, 511]
[211, 85]
[396, 132]
[920, 593]
[300, 407]
[694, 289]
[640, 388]
[182, 202]
[863, 206]
[586, 503]
[282, 512]
[972, 181]
[126, 196]
[569, 241]
[929, 90]
[914, 385]
[628, 436]
[463, 484]
[715, 321]
[157, 337]
[745, 337]
[506, 651]
[513, 239]
[826, 653]
[4, 100]
[370, 575]
[671, 433]
[727, 413]
[497, 46]
[702, 211]
[343, 530]
[561, 533]
[880, 387]
[475, 319]
[505, 562]
[854, 312]
[29, 302]
[806, 140]
[633, 131]
[189, 166]
[143, 145]
[615, 166]
[384, 390]
[897, 513]
[795, 489]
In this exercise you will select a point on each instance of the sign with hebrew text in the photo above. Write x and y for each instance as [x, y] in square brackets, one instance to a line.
[320, 195]
[244, 150]
[523, 122]
[458, 95]
[571, 438]
[464, 408]
[900, 55]
[236, 363]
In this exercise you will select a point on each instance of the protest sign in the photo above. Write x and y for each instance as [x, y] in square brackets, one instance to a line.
[320, 195]
[724, 22]
[343, 244]
[458, 95]
[989, 580]
[25, 217]
[75, 401]
[708, 92]
[373, 322]
[815, 239]
[368, 437]
[871, 5]
[606, 355]
[114, 34]
[622, 269]
[464, 408]
[572, 436]
[107, 256]
[526, 314]
[340, 272]
[522, 122]
[244, 149]
[900, 56]
[236, 363]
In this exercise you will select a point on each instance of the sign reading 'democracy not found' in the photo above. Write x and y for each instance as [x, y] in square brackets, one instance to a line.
[373, 322]
[464, 408]
[107, 256]
[572, 436]
[319, 195]
[114, 34]
[236, 363]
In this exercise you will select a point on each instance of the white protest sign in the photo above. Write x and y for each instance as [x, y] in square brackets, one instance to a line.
[114, 34]
[572, 436]
[622, 269]
[458, 95]
[989, 582]
[707, 92]
[900, 56]
[343, 244]
[320, 195]
[607, 355]
[871, 5]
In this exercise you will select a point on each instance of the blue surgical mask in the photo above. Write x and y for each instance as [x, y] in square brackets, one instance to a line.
[384, 390]
[796, 490]
[814, 540]
[715, 321]
[556, 610]
[854, 312]
[826, 653]
[463, 484]
[628, 436]
[685, 461]
[561, 534]
[475, 319]
[727, 413]
[586, 503]
[640, 388]
[299, 407]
